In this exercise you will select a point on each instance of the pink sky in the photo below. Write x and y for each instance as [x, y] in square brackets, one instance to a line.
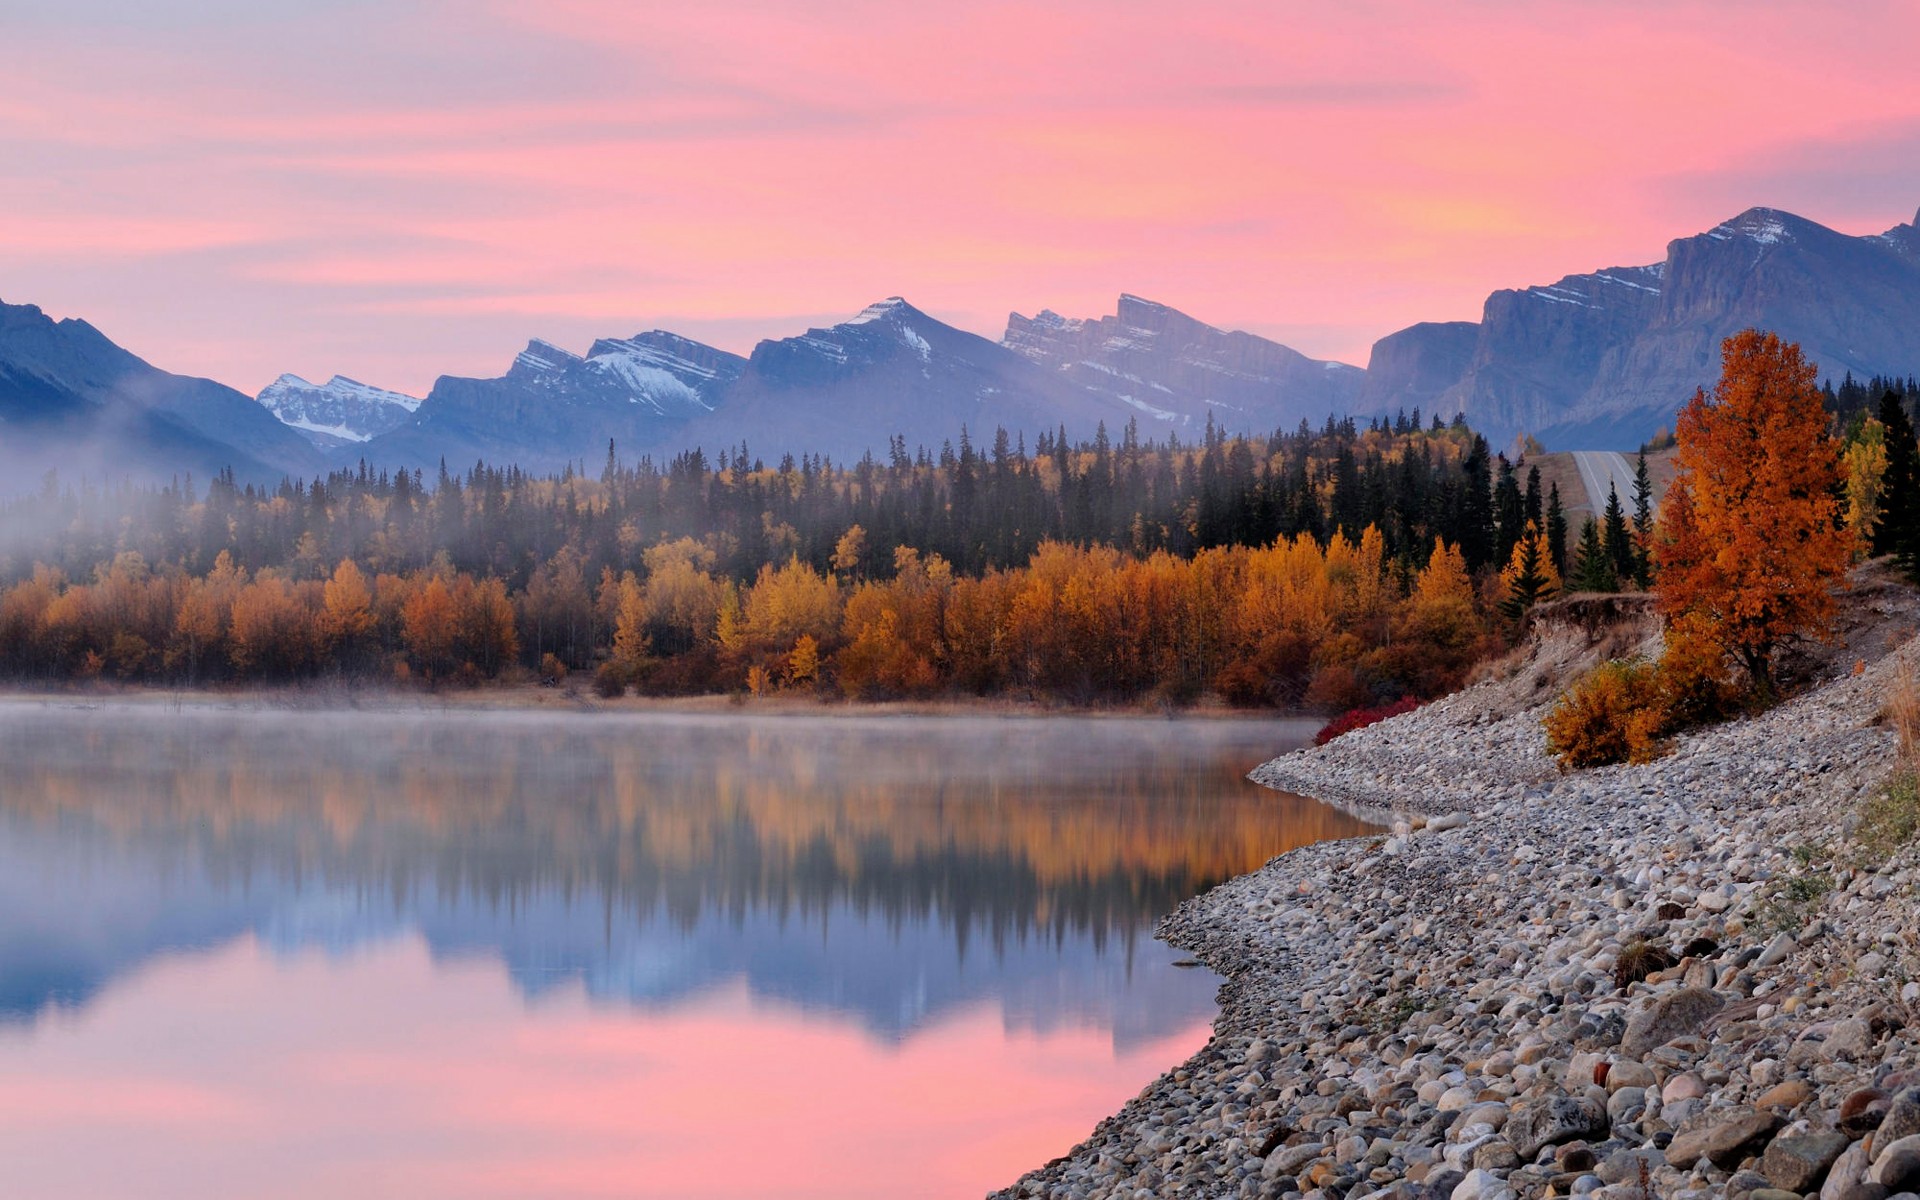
[396, 189]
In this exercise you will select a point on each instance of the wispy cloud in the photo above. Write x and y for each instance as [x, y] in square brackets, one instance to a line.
[394, 190]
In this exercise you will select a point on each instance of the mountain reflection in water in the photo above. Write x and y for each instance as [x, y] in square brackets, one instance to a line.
[891, 872]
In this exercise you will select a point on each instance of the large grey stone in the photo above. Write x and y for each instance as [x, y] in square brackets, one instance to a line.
[1896, 1166]
[1287, 1160]
[1723, 1137]
[1480, 1185]
[1902, 1119]
[1846, 1179]
[1799, 1162]
[1850, 1040]
[1553, 1120]
[1627, 1166]
[1668, 1016]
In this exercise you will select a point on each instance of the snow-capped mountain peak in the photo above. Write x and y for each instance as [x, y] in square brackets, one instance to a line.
[883, 310]
[1762, 226]
[897, 313]
[338, 411]
[544, 358]
[1166, 366]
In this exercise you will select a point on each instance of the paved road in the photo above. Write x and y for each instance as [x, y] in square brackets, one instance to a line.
[1598, 470]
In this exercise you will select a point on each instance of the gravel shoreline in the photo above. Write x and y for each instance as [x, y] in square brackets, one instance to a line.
[1435, 1013]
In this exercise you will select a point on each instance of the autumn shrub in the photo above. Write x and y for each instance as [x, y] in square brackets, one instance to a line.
[610, 681]
[1623, 711]
[1612, 714]
[1178, 691]
[1337, 687]
[1275, 672]
[698, 671]
[1243, 685]
[1695, 685]
[1360, 718]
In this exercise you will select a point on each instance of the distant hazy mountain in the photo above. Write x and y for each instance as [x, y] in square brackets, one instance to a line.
[73, 400]
[892, 369]
[338, 412]
[1172, 369]
[554, 407]
[847, 389]
[1414, 368]
[1601, 360]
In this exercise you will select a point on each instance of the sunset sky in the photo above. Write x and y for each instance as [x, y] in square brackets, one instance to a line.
[396, 189]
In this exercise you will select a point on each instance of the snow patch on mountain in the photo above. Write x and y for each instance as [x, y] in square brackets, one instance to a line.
[1158, 414]
[921, 345]
[1761, 226]
[1187, 368]
[680, 357]
[645, 382]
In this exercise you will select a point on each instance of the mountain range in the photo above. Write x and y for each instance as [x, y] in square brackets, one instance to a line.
[847, 389]
[1598, 360]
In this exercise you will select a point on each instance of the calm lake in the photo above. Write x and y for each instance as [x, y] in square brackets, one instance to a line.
[403, 953]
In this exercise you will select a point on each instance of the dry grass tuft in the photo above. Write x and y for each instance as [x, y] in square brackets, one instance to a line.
[1890, 819]
[1902, 711]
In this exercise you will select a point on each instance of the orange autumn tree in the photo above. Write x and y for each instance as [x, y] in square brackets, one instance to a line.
[1751, 546]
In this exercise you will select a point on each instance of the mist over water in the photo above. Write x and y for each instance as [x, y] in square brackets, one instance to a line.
[950, 907]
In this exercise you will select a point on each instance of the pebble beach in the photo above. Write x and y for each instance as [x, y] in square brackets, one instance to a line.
[1697, 977]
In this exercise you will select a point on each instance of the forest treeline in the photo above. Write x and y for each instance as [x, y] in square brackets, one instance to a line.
[1339, 566]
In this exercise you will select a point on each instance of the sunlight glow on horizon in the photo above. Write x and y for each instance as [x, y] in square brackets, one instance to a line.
[394, 192]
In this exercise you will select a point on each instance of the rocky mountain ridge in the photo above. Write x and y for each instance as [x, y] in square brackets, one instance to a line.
[1175, 370]
[1599, 361]
[71, 400]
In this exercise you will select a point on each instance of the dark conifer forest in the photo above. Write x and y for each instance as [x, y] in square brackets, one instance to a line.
[1332, 566]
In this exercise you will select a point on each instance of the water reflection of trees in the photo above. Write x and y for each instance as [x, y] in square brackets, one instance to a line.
[1011, 830]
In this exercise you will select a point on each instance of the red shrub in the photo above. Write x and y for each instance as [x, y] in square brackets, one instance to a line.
[1360, 718]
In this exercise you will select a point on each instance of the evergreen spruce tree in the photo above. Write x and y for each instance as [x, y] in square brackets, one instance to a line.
[1536, 514]
[1619, 541]
[1556, 530]
[1592, 565]
[1509, 511]
[1898, 531]
[1475, 531]
[1528, 576]
[1642, 523]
